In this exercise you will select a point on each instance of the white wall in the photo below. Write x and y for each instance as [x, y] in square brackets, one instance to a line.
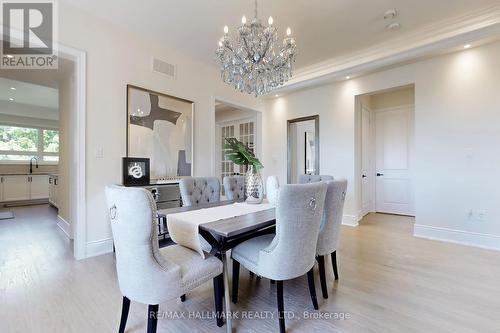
[26, 110]
[67, 172]
[115, 58]
[8, 119]
[233, 115]
[405, 96]
[457, 135]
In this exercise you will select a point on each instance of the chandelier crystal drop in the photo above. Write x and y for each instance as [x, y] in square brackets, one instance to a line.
[253, 63]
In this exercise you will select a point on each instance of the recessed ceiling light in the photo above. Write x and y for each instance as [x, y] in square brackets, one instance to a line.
[11, 99]
[276, 95]
[393, 26]
[390, 14]
[467, 46]
[347, 77]
[12, 88]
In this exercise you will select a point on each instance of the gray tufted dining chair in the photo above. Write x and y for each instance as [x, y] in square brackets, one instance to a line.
[234, 186]
[197, 191]
[272, 189]
[282, 257]
[304, 179]
[147, 274]
[329, 234]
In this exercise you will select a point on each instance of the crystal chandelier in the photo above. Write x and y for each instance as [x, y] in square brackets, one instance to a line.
[252, 63]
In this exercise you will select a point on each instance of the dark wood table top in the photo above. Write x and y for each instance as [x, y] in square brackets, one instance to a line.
[235, 226]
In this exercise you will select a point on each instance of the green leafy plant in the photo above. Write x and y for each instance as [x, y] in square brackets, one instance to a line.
[238, 153]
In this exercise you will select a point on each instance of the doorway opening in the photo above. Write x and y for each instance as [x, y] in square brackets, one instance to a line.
[385, 151]
[37, 120]
[233, 121]
[67, 193]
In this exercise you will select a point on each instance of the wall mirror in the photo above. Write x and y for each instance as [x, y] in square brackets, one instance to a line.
[303, 147]
[160, 127]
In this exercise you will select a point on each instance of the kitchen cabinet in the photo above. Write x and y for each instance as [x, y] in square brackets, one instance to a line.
[53, 190]
[39, 188]
[15, 188]
[24, 187]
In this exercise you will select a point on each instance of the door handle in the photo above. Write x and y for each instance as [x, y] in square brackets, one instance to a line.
[363, 176]
[379, 174]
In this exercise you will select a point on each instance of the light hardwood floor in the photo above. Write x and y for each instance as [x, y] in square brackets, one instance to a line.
[389, 282]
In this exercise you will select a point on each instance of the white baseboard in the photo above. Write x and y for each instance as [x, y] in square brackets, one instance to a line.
[99, 247]
[65, 226]
[485, 241]
[350, 220]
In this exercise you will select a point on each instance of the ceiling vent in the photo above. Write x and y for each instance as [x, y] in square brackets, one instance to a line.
[162, 67]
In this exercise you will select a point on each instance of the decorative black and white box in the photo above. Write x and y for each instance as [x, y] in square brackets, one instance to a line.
[136, 171]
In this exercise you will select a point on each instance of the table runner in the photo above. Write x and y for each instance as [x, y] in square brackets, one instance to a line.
[183, 227]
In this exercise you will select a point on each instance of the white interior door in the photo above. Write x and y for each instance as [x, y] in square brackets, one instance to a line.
[394, 158]
[366, 161]
[243, 130]
[226, 166]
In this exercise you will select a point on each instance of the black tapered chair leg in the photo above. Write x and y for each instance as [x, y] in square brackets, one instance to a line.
[218, 293]
[281, 306]
[334, 264]
[312, 288]
[123, 320]
[322, 276]
[236, 280]
[152, 318]
[183, 298]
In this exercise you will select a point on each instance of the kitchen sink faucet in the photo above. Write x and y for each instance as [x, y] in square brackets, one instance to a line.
[31, 163]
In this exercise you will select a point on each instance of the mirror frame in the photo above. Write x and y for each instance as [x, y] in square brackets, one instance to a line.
[289, 144]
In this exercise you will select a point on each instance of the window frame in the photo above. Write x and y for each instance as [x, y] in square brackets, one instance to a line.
[39, 154]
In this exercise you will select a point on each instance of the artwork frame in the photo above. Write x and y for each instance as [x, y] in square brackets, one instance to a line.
[143, 165]
[163, 113]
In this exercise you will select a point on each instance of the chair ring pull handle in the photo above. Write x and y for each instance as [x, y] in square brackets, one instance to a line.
[112, 212]
[312, 203]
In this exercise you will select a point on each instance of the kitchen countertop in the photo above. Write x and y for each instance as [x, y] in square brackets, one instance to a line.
[28, 174]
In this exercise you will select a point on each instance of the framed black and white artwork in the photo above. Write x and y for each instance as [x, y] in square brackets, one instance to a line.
[160, 127]
[136, 171]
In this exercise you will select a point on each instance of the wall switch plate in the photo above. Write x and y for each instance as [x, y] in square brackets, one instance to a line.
[470, 154]
[99, 152]
[481, 215]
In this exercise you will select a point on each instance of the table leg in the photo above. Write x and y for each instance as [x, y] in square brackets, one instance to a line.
[227, 300]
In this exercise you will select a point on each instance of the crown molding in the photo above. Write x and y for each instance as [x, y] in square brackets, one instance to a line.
[430, 40]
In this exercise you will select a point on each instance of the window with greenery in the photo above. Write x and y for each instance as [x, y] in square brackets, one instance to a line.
[18, 144]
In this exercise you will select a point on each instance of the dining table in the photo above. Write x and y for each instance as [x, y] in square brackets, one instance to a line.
[228, 223]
